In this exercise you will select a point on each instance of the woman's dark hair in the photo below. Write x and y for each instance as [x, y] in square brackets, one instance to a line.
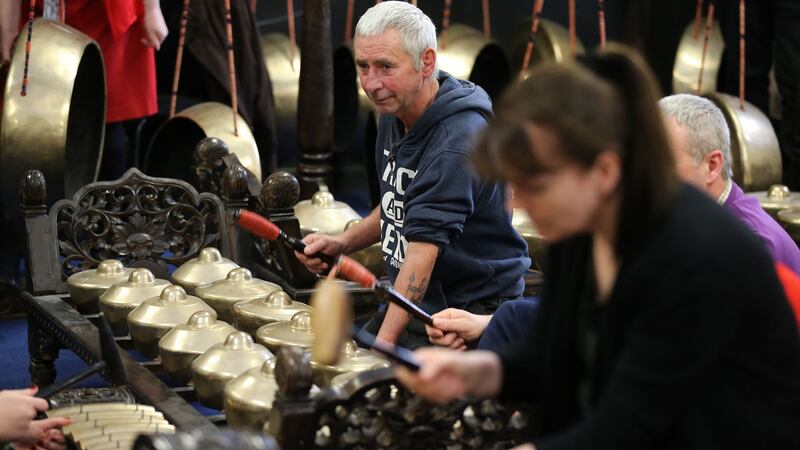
[609, 102]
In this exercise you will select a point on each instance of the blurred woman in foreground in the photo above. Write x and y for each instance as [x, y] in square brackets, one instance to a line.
[652, 331]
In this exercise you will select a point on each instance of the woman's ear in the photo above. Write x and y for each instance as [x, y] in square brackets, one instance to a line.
[608, 171]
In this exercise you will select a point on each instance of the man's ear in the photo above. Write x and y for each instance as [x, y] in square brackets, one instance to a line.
[428, 62]
[716, 164]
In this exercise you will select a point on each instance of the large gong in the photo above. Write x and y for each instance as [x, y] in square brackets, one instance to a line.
[171, 151]
[285, 76]
[58, 126]
[755, 150]
[469, 55]
[552, 44]
[686, 71]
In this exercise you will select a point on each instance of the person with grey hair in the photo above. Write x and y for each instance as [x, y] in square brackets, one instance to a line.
[446, 236]
[702, 149]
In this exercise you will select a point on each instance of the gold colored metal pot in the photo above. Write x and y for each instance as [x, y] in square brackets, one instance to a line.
[789, 218]
[58, 126]
[524, 226]
[284, 73]
[351, 359]
[86, 287]
[276, 307]
[123, 297]
[224, 362]
[686, 70]
[296, 332]
[187, 341]
[209, 266]
[469, 55]
[151, 320]
[777, 198]
[755, 153]
[323, 214]
[238, 286]
[249, 397]
[172, 148]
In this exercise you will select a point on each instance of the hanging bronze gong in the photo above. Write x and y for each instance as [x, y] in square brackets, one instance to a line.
[284, 73]
[552, 44]
[686, 71]
[172, 148]
[58, 126]
[755, 152]
[469, 55]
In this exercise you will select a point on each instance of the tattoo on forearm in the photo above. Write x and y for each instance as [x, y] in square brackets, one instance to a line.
[416, 291]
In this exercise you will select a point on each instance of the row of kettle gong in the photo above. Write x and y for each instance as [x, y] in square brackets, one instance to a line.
[164, 320]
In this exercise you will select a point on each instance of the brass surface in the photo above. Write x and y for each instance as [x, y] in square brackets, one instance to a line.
[469, 55]
[209, 266]
[224, 362]
[172, 148]
[284, 73]
[552, 44]
[86, 287]
[296, 332]
[249, 397]
[276, 307]
[351, 359]
[187, 341]
[152, 319]
[323, 214]
[777, 198]
[58, 126]
[686, 70]
[789, 218]
[755, 154]
[122, 297]
[238, 286]
[525, 227]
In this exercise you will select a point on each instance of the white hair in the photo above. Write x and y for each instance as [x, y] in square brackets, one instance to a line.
[705, 126]
[416, 30]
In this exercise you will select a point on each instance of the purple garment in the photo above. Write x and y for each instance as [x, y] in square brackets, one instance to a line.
[779, 244]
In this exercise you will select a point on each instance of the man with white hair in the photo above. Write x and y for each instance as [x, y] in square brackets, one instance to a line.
[701, 145]
[446, 236]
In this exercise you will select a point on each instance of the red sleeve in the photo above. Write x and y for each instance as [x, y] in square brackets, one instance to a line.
[791, 287]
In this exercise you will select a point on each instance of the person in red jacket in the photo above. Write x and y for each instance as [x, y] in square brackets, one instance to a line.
[128, 32]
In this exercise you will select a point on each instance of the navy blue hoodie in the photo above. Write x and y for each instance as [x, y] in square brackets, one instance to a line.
[430, 193]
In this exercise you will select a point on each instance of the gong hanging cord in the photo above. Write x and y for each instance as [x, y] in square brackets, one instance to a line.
[487, 25]
[176, 76]
[445, 23]
[31, 15]
[572, 28]
[232, 67]
[601, 19]
[698, 19]
[709, 24]
[535, 17]
[348, 22]
[741, 53]
[292, 34]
